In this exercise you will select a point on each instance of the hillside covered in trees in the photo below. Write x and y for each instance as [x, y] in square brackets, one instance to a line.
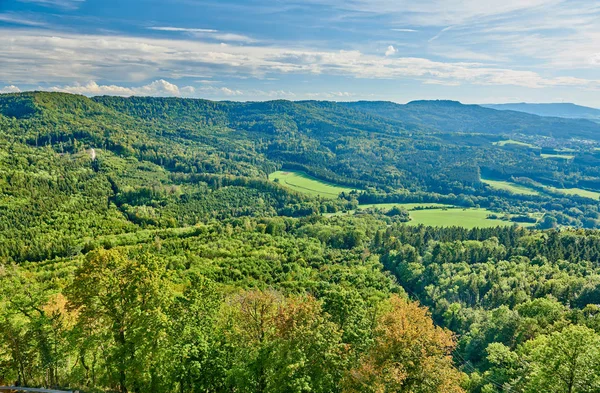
[567, 110]
[143, 248]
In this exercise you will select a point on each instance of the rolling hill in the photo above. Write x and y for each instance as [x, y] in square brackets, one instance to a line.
[452, 116]
[565, 110]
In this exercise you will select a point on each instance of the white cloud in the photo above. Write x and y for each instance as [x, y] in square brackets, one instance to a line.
[438, 35]
[390, 50]
[208, 81]
[233, 37]
[435, 12]
[338, 95]
[10, 89]
[183, 29]
[552, 34]
[162, 88]
[208, 33]
[228, 92]
[157, 88]
[441, 82]
[543, 34]
[255, 94]
[188, 91]
[450, 52]
[64, 4]
[404, 30]
[34, 57]
[20, 20]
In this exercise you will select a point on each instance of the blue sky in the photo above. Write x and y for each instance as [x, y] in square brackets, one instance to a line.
[475, 51]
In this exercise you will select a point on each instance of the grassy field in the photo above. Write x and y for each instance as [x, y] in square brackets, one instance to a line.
[441, 215]
[466, 218]
[509, 186]
[405, 206]
[389, 206]
[523, 190]
[577, 191]
[513, 142]
[561, 156]
[444, 215]
[306, 184]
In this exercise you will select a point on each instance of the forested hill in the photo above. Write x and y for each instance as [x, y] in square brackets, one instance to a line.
[144, 247]
[426, 116]
[452, 116]
[437, 151]
[279, 116]
[440, 116]
[566, 110]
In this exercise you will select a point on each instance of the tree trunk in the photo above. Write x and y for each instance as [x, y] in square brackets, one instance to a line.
[122, 376]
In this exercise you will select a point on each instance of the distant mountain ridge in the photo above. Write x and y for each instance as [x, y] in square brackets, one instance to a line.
[437, 116]
[565, 110]
[453, 116]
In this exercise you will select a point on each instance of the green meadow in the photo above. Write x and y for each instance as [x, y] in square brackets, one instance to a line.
[438, 215]
[558, 156]
[466, 218]
[577, 191]
[523, 190]
[306, 184]
[388, 206]
[405, 206]
[513, 142]
[442, 216]
[429, 214]
[510, 186]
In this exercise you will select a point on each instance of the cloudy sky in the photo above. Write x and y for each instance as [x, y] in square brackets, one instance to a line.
[475, 51]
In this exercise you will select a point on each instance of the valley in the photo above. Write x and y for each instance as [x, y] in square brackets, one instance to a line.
[254, 196]
[433, 214]
[338, 220]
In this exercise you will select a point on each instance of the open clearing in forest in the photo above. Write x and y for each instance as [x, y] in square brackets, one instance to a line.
[430, 214]
[388, 206]
[558, 156]
[510, 186]
[306, 184]
[466, 218]
[577, 191]
[405, 206]
[438, 215]
[442, 215]
[513, 142]
[524, 190]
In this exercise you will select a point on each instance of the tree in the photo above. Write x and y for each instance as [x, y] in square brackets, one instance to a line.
[125, 299]
[563, 362]
[194, 352]
[410, 354]
[33, 329]
[251, 329]
[504, 369]
[548, 222]
[307, 353]
[283, 344]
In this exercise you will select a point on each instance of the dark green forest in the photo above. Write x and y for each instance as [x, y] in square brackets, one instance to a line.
[144, 249]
